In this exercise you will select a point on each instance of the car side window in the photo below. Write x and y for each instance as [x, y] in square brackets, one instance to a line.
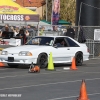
[60, 42]
[72, 43]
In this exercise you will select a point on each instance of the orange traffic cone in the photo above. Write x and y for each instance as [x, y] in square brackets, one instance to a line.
[83, 92]
[73, 66]
[34, 69]
[2, 64]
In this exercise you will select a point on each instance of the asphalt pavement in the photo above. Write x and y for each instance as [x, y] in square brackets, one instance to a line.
[60, 84]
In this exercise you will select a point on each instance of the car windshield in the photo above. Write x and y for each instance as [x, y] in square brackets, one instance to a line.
[41, 41]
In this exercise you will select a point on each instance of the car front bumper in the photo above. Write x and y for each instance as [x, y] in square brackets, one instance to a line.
[18, 59]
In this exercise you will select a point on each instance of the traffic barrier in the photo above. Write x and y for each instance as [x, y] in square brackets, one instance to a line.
[2, 64]
[50, 63]
[73, 66]
[83, 92]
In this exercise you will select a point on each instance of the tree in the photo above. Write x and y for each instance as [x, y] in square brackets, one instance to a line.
[67, 11]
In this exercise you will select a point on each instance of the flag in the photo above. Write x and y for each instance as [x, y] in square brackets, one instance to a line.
[55, 12]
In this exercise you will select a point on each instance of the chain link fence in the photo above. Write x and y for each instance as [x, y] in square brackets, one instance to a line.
[92, 44]
[89, 31]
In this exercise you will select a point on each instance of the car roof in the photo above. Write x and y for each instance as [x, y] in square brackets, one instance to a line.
[52, 36]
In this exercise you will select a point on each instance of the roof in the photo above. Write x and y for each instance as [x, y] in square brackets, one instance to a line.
[52, 36]
[10, 7]
[32, 3]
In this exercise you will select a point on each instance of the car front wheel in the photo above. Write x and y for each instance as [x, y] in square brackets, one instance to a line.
[42, 60]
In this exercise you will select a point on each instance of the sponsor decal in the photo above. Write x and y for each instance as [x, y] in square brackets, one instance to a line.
[5, 8]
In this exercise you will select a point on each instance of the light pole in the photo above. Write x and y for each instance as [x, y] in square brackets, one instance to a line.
[80, 14]
[46, 10]
[79, 19]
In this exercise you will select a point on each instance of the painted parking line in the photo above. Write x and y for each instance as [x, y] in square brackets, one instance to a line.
[28, 86]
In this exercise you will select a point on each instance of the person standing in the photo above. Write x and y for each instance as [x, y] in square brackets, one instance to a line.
[6, 28]
[81, 36]
[30, 30]
[42, 31]
[70, 32]
[22, 36]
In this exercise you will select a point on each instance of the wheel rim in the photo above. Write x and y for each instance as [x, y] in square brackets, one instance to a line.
[43, 61]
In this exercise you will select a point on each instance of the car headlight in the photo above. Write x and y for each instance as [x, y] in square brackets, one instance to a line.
[25, 53]
[4, 53]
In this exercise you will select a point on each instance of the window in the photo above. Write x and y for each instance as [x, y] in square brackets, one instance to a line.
[60, 42]
[72, 43]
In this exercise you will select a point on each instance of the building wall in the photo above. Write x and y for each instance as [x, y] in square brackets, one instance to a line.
[35, 5]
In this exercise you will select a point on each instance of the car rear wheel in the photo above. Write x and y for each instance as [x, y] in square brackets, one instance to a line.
[42, 60]
[79, 59]
[13, 65]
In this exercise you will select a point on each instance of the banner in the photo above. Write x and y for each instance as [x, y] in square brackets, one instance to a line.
[19, 17]
[55, 13]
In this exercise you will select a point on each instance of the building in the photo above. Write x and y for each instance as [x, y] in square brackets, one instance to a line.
[35, 5]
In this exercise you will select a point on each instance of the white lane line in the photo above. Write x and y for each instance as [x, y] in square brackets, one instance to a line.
[95, 58]
[59, 71]
[91, 63]
[34, 74]
[28, 86]
[4, 68]
[72, 97]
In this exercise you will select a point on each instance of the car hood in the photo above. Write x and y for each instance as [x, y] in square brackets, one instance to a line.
[24, 48]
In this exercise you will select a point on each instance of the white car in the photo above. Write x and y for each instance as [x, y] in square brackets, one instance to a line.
[38, 49]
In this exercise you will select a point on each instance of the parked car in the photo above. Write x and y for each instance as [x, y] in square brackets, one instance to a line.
[37, 51]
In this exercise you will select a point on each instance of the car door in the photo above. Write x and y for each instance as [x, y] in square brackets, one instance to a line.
[60, 53]
[72, 46]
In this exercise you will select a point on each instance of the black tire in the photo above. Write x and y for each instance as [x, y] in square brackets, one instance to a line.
[13, 65]
[42, 60]
[79, 59]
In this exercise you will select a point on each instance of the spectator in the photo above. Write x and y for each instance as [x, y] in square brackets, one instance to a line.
[81, 36]
[14, 30]
[22, 35]
[27, 35]
[70, 32]
[41, 30]
[6, 28]
[30, 30]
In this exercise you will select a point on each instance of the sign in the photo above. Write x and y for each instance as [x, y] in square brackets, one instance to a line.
[6, 8]
[18, 17]
[97, 34]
